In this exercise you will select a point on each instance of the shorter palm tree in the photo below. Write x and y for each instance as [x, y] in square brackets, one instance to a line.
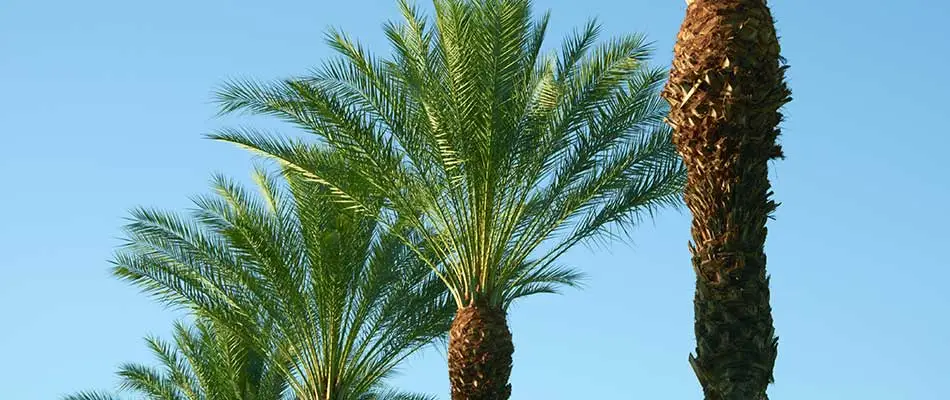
[503, 156]
[206, 361]
[339, 296]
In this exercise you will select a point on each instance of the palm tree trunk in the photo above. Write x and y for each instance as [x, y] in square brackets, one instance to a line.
[725, 90]
[480, 350]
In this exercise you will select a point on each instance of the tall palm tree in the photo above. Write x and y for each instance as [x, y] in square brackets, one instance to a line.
[725, 90]
[339, 296]
[205, 362]
[501, 157]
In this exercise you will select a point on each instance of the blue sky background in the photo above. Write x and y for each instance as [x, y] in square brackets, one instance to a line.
[103, 104]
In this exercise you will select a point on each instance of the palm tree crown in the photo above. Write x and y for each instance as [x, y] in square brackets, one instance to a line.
[490, 149]
[297, 275]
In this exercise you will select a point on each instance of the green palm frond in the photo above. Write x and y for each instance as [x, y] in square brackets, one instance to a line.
[148, 381]
[500, 157]
[89, 395]
[206, 361]
[395, 395]
[295, 284]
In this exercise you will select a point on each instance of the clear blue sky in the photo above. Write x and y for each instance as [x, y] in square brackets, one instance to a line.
[103, 104]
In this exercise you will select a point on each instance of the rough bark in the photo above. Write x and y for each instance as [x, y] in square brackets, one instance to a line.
[725, 91]
[480, 350]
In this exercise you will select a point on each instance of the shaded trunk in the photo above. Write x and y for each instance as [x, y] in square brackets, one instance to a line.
[480, 350]
[725, 90]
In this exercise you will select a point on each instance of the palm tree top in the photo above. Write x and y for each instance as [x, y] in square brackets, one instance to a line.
[500, 156]
[296, 275]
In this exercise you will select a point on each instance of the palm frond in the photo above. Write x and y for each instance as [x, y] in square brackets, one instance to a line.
[396, 395]
[90, 395]
[206, 361]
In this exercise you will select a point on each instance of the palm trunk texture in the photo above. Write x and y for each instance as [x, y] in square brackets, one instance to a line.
[725, 91]
[480, 350]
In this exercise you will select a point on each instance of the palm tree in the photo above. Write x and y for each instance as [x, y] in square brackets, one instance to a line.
[501, 158]
[297, 276]
[207, 361]
[725, 90]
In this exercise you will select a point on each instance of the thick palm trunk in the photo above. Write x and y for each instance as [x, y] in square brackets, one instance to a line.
[480, 350]
[725, 90]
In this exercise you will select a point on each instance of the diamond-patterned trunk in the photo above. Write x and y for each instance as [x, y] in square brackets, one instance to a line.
[480, 350]
[725, 91]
